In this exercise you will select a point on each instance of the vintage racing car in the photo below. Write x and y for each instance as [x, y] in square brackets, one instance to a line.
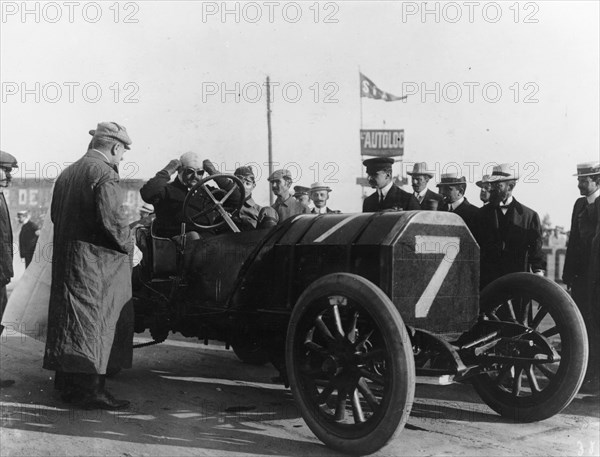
[353, 308]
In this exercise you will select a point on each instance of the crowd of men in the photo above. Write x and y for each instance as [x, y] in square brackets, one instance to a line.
[88, 297]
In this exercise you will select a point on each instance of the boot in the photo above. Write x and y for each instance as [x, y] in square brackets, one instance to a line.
[97, 397]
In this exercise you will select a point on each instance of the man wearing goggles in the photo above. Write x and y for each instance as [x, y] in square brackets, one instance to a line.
[168, 196]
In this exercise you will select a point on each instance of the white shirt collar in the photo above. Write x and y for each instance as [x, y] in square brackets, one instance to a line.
[384, 191]
[592, 197]
[421, 194]
[457, 203]
[508, 202]
[321, 210]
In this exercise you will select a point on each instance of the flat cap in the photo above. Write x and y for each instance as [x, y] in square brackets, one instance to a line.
[278, 174]
[7, 160]
[114, 131]
[378, 163]
[245, 172]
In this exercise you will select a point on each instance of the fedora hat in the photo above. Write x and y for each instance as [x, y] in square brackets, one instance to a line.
[484, 180]
[503, 172]
[420, 168]
[451, 179]
[319, 186]
[588, 169]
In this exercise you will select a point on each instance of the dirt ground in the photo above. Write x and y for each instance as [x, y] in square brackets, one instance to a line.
[191, 399]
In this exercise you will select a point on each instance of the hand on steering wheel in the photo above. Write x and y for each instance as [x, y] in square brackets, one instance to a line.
[203, 201]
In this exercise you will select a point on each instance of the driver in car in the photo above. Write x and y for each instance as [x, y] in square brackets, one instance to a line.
[168, 196]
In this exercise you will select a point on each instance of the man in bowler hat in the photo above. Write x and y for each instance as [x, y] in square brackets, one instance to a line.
[453, 188]
[387, 195]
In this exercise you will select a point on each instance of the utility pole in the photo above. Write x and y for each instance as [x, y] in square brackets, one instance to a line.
[270, 145]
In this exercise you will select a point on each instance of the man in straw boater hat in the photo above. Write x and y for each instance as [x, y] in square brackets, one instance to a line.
[420, 176]
[509, 233]
[484, 193]
[453, 188]
[319, 194]
[387, 195]
[7, 163]
[578, 272]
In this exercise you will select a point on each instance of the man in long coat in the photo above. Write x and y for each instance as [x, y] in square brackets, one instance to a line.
[509, 233]
[581, 262]
[91, 269]
[388, 195]
[7, 163]
[28, 236]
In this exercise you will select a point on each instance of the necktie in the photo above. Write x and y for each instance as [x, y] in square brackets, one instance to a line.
[450, 208]
[418, 197]
[380, 197]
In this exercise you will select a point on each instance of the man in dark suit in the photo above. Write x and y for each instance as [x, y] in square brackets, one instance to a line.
[319, 194]
[509, 234]
[388, 195]
[428, 199]
[28, 236]
[579, 261]
[484, 193]
[7, 163]
[453, 190]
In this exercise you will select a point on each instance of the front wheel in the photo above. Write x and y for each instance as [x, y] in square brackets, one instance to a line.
[350, 363]
[527, 384]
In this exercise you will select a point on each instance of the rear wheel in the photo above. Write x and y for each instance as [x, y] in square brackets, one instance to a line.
[350, 363]
[519, 388]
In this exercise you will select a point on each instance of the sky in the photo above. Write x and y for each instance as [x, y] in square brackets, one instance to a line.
[487, 83]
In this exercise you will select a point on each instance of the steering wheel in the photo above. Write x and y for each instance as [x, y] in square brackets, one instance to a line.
[204, 205]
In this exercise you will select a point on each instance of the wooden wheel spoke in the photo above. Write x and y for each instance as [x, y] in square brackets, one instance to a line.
[550, 332]
[503, 374]
[325, 394]
[316, 348]
[511, 310]
[542, 312]
[533, 383]
[376, 378]
[368, 395]
[352, 330]
[357, 411]
[322, 327]
[517, 383]
[338, 320]
[340, 406]
[546, 371]
[363, 339]
[377, 354]
[525, 314]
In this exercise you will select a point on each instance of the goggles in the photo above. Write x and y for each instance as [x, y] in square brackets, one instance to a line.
[190, 172]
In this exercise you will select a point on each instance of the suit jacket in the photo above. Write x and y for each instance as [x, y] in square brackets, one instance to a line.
[27, 239]
[329, 211]
[469, 213]
[519, 250]
[430, 195]
[584, 221]
[396, 199]
[6, 244]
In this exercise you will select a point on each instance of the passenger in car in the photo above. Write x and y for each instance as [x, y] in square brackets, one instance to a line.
[248, 215]
[285, 205]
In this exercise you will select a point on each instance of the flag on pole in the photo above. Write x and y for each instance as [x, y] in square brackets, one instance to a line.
[368, 89]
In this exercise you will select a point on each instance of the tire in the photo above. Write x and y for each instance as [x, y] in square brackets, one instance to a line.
[540, 390]
[355, 389]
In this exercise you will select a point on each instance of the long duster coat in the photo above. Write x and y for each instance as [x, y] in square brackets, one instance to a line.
[91, 266]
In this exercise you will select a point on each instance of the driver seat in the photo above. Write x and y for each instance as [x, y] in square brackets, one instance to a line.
[164, 255]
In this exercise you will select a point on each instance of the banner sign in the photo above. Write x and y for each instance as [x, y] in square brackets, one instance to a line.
[382, 143]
